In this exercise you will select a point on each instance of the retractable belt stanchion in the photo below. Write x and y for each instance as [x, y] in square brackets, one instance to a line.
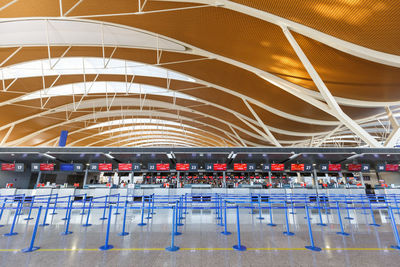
[31, 245]
[319, 213]
[104, 210]
[107, 246]
[342, 232]
[123, 233]
[149, 208]
[2, 210]
[30, 209]
[152, 204]
[180, 215]
[67, 232]
[84, 205]
[142, 213]
[66, 210]
[239, 245]
[55, 205]
[88, 214]
[185, 204]
[291, 200]
[260, 217]
[312, 245]
[22, 205]
[117, 208]
[394, 227]
[225, 232]
[221, 217]
[176, 219]
[46, 211]
[288, 233]
[251, 203]
[364, 209]
[271, 223]
[11, 233]
[372, 215]
[396, 203]
[347, 208]
[173, 247]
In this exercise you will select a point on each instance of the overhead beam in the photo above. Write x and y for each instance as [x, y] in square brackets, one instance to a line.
[391, 140]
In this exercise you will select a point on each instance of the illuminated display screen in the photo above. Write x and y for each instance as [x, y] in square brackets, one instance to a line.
[182, 166]
[220, 167]
[277, 167]
[124, 166]
[8, 167]
[297, 167]
[69, 167]
[354, 167]
[334, 167]
[46, 166]
[162, 166]
[240, 167]
[392, 167]
[105, 166]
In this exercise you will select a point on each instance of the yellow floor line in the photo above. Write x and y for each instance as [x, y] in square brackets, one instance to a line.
[195, 249]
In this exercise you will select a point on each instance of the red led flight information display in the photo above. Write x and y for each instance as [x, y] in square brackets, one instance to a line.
[297, 167]
[182, 166]
[392, 167]
[240, 167]
[162, 167]
[354, 167]
[8, 167]
[219, 166]
[124, 166]
[277, 167]
[105, 166]
[334, 167]
[46, 166]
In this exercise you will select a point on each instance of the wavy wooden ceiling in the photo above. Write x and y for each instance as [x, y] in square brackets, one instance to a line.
[232, 35]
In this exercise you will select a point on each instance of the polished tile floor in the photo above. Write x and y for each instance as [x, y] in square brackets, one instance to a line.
[201, 242]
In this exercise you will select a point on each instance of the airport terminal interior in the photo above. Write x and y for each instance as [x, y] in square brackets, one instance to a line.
[199, 133]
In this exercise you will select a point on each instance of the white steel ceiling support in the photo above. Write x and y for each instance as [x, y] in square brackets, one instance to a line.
[395, 134]
[237, 136]
[333, 105]
[272, 138]
[320, 142]
[10, 56]
[266, 137]
[7, 135]
[8, 4]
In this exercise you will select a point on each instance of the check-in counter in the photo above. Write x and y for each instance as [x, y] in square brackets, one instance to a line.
[8, 191]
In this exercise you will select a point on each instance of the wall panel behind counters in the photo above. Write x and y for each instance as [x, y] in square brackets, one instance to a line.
[19, 179]
[390, 177]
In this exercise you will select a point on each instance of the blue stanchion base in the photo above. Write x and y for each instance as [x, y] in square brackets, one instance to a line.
[106, 247]
[103, 218]
[218, 218]
[86, 224]
[239, 248]
[288, 233]
[142, 224]
[349, 218]
[44, 224]
[375, 224]
[11, 234]
[174, 248]
[148, 218]
[29, 249]
[117, 213]
[66, 233]
[226, 233]
[342, 233]
[179, 224]
[123, 234]
[321, 224]
[313, 248]
[28, 219]
[395, 247]
[177, 233]
[64, 219]
[260, 218]
[271, 224]
[53, 213]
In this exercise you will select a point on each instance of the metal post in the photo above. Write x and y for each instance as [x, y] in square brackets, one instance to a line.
[123, 233]
[176, 219]
[45, 213]
[38, 178]
[372, 215]
[11, 233]
[88, 214]
[2, 210]
[362, 179]
[260, 217]
[85, 177]
[67, 232]
[31, 245]
[270, 214]
[30, 209]
[224, 179]
[340, 221]
[394, 227]
[66, 212]
[225, 232]
[239, 245]
[104, 210]
[84, 205]
[173, 247]
[117, 211]
[107, 246]
[347, 208]
[269, 178]
[142, 215]
[288, 233]
[312, 245]
[55, 205]
[319, 213]
[178, 179]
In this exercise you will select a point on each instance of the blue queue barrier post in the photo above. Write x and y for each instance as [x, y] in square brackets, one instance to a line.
[217, 208]
[22, 205]
[225, 232]
[397, 204]
[348, 217]
[87, 224]
[31, 245]
[319, 213]
[66, 210]
[364, 209]
[142, 213]
[149, 208]
[342, 232]
[11, 233]
[260, 217]
[84, 205]
[394, 227]
[312, 245]
[220, 212]
[185, 204]
[2, 210]
[173, 247]
[372, 215]
[117, 208]
[239, 246]
[46, 211]
[271, 223]
[287, 232]
[30, 209]
[176, 219]
[104, 210]
[107, 246]
[67, 232]
[123, 233]
[251, 203]
[55, 205]
[152, 204]
[180, 216]
[292, 204]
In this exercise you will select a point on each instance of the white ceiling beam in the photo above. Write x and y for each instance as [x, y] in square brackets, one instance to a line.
[395, 134]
